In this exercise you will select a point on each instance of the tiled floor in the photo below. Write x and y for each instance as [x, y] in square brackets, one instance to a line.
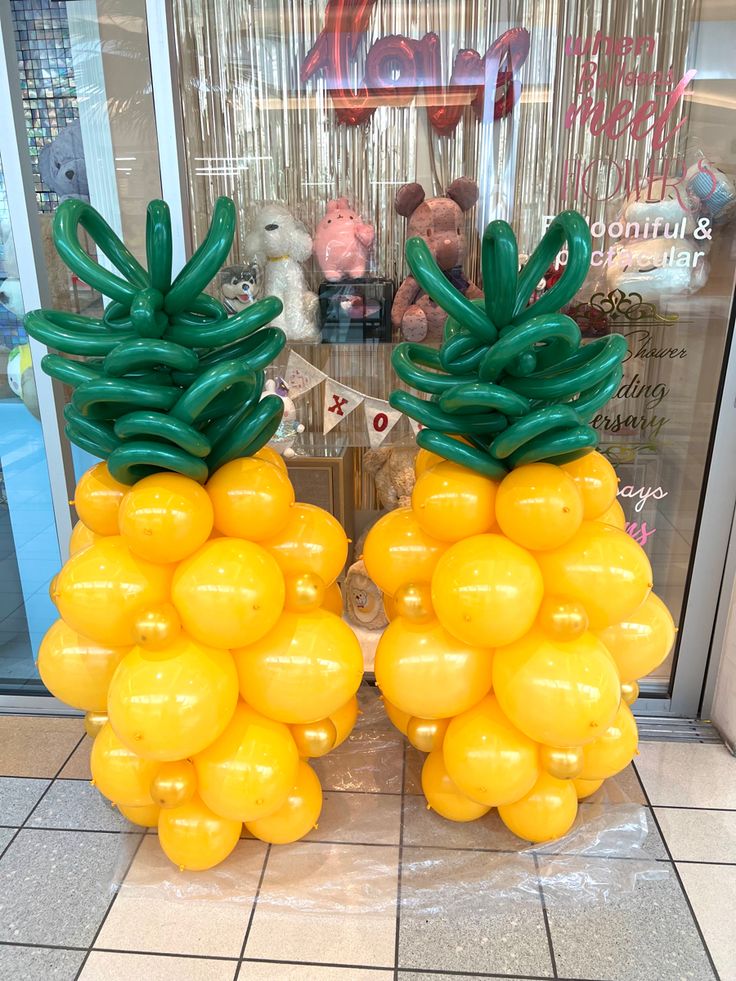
[382, 889]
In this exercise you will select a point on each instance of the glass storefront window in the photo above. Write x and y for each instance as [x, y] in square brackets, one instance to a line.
[29, 548]
[624, 112]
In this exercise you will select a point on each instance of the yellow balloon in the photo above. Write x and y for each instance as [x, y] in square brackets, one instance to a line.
[602, 568]
[118, 774]
[451, 502]
[174, 784]
[562, 619]
[397, 551]
[425, 671]
[442, 794]
[97, 500]
[548, 811]
[82, 537]
[414, 602]
[563, 763]
[306, 667]
[538, 506]
[424, 460]
[397, 718]
[305, 593]
[101, 589]
[75, 669]
[629, 692]
[93, 723]
[194, 837]
[311, 541]
[584, 788]
[165, 517]
[251, 498]
[614, 750]
[344, 720]
[144, 817]
[269, 454]
[642, 640]
[614, 516]
[426, 735]
[597, 482]
[559, 694]
[229, 593]
[486, 590]
[156, 627]
[297, 815]
[169, 705]
[389, 606]
[487, 758]
[314, 739]
[332, 599]
[248, 772]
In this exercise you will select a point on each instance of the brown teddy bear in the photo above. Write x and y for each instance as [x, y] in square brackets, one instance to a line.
[441, 223]
[392, 468]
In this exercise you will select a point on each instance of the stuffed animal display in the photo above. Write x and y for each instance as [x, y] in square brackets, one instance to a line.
[240, 286]
[363, 599]
[393, 473]
[281, 243]
[342, 242]
[61, 164]
[441, 223]
[289, 427]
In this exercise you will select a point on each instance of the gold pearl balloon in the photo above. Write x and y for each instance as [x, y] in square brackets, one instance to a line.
[156, 627]
[562, 619]
[314, 739]
[93, 722]
[630, 692]
[561, 763]
[304, 593]
[426, 735]
[174, 784]
[414, 602]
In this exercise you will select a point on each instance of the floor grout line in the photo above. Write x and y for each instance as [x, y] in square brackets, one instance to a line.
[252, 914]
[164, 953]
[545, 917]
[692, 807]
[46, 790]
[110, 905]
[400, 866]
[678, 876]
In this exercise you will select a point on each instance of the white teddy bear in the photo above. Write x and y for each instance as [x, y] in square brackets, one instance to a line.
[282, 243]
[289, 427]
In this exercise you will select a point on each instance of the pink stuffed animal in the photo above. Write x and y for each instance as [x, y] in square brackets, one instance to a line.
[342, 242]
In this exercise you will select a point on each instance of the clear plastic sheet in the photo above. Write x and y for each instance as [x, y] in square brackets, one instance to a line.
[375, 822]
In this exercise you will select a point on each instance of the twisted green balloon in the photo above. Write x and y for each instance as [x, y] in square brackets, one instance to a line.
[168, 380]
[511, 378]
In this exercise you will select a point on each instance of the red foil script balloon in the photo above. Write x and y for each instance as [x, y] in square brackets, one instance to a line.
[397, 67]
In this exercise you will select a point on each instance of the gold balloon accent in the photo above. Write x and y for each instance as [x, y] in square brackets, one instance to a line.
[426, 735]
[414, 602]
[562, 619]
[629, 692]
[564, 764]
[389, 606]
[314, 739]
[93, 722]
[304, 593]
[174, 784]
[156, 627]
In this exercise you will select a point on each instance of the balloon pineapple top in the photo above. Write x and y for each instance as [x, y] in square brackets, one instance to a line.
[510, 377]
[169, 382]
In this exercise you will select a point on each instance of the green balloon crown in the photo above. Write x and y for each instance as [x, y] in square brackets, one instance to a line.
[511, 378]
[168, 380]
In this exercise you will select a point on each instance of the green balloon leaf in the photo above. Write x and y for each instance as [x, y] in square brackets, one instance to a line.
[169, 381]
[511, 377]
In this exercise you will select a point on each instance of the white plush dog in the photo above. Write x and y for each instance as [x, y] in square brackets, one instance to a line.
[282, 243]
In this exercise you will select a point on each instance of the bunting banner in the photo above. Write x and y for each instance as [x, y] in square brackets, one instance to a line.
[301, 376]
[380, 419]
[339, 402]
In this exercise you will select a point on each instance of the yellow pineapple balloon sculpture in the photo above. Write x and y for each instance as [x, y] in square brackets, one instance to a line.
[198, 626]
[521, 612]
